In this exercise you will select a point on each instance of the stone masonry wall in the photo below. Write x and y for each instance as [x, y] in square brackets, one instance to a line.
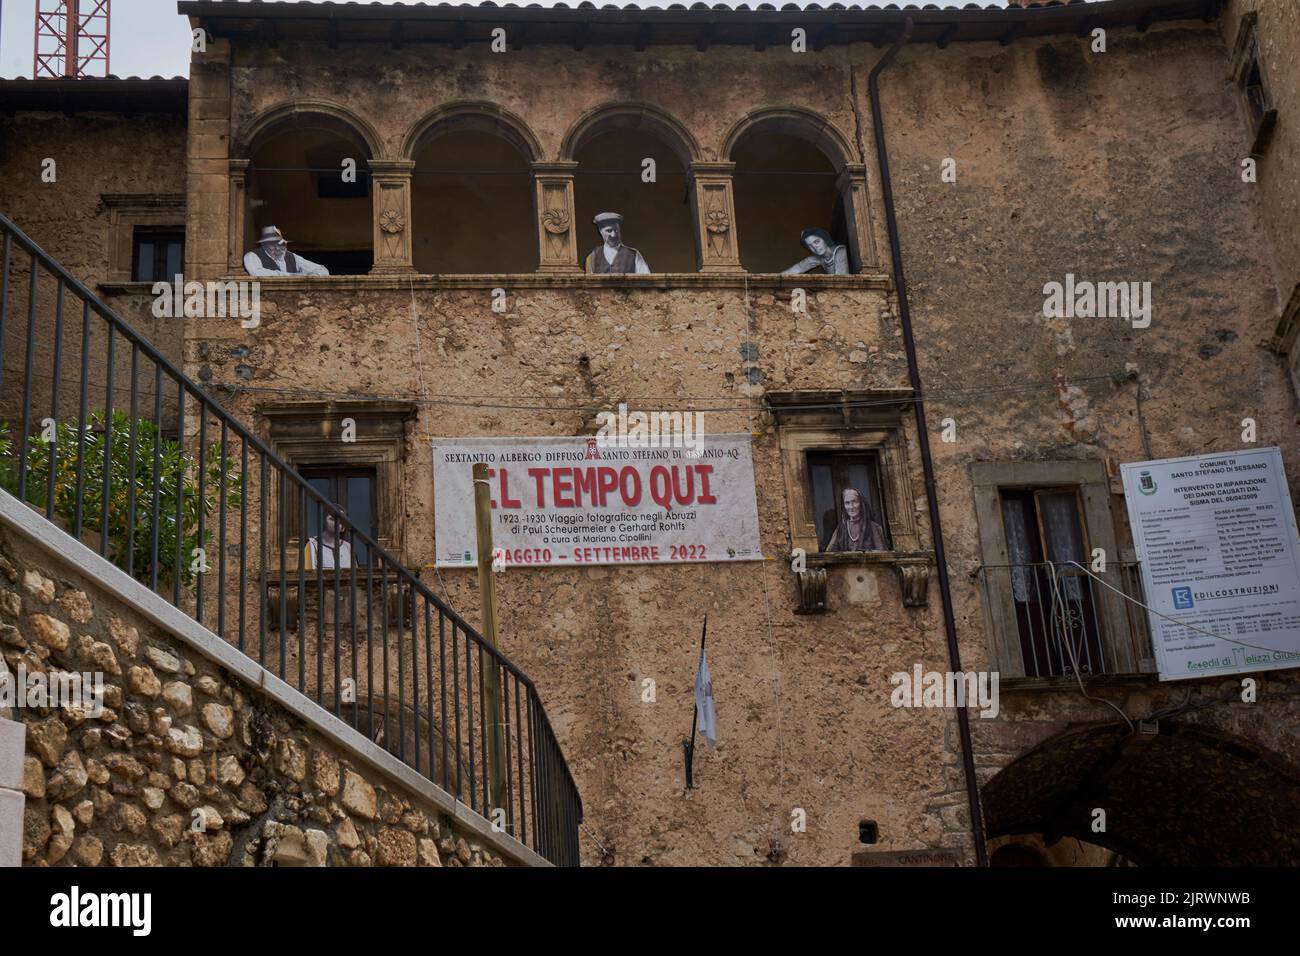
[187, 765]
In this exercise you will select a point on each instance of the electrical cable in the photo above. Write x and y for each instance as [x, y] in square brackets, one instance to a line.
[1173, 620]
[1059, 602]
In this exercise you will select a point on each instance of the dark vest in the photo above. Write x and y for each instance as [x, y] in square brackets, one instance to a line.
[290, 263]
[624, 261]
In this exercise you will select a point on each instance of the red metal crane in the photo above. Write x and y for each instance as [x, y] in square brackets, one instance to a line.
[71, 38]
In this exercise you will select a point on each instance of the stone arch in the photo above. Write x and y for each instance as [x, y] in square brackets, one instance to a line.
[793, 121]
[310, 114]
[290, 152]
[629, 115]
[477, 115]
[792, 169]
[636, 160]
[471, 163]
[1187, 796]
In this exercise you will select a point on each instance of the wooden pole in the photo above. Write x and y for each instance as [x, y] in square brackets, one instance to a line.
[491, 674]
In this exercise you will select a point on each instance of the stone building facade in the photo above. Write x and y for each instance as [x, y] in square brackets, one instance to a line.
[1019, 152]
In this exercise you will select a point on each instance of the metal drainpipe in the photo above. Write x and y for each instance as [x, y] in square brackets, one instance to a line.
[923, 435]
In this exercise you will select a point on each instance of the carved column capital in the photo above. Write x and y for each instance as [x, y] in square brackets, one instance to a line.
[715, 217]
[557, 241]
[390, 187]
[390, 168]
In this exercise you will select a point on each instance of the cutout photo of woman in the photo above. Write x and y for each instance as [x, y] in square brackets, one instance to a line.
[857, 529]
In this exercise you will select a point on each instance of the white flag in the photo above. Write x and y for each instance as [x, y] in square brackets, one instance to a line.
[708, 717]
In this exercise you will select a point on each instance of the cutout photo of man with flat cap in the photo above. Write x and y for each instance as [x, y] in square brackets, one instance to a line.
[612, 255]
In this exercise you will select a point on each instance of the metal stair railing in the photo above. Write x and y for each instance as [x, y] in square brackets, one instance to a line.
[160, 479]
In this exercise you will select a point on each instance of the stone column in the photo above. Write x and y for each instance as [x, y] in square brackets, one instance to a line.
[715, 217]
[557, 244]
[207, 224]
[238, 213]
[852, 186]
[390, 183]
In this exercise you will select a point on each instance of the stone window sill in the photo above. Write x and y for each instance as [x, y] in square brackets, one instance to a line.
[861, 558]
[125, 288]
[1071, 685]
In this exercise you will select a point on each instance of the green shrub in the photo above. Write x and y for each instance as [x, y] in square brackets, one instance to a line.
[175, 469]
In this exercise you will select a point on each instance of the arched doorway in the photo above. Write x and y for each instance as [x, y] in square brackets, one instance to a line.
[611, 149]
[1186, 796]
[297, 182]
[472, 193]
[787, 178]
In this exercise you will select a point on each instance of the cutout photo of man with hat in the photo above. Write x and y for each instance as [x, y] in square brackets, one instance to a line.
[273, 258]
[612, 255]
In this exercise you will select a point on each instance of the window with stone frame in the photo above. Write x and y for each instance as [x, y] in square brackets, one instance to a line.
[1052, 578]
[136, 219]
[352, 489]
[158, 253]
[1249, 75]
[364, 475]
[848, 504]
[847, 441]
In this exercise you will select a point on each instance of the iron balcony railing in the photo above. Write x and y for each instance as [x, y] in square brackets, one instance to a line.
[1053, 619]
[124, 452]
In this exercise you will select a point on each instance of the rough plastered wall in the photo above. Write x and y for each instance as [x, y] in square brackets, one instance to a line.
[1278, 31]
[1116, 166]
[95, 154]
[796, 728]
[187, 765]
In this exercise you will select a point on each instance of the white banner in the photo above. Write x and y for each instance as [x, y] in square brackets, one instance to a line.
[1220, 553]
[570, 501]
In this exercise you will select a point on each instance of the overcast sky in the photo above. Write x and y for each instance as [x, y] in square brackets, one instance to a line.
[150, 38]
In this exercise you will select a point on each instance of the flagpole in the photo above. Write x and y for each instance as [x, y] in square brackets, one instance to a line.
[688, 745]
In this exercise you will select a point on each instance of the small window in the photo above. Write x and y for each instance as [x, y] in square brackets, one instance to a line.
[1248, 68]
[1256, 94]
[848, 506]
[353, 489]
[848, 444]
[158, 255]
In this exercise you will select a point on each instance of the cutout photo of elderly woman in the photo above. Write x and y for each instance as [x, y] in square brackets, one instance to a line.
[831, 258]
[857, 530]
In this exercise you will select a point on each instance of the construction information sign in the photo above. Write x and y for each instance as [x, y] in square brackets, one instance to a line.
[1220, 555]
[570, 501]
